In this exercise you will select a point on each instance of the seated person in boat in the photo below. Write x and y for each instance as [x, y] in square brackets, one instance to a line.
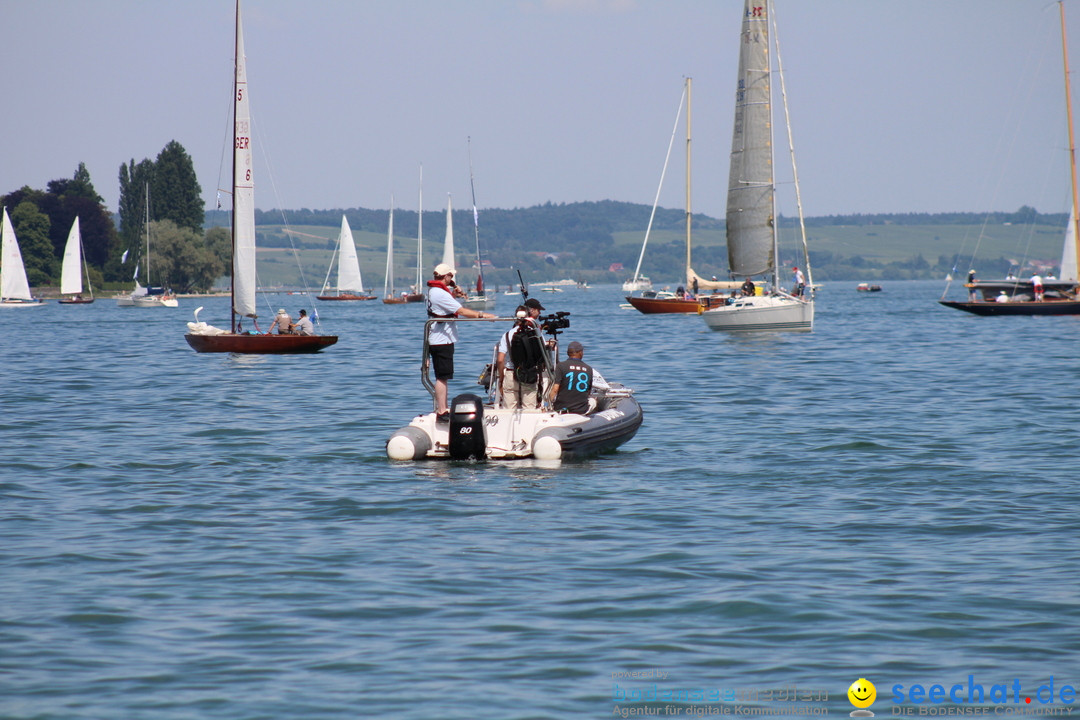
[282, 322]
[518, 360]
[573, 382]
[748, 287]
[303, 326]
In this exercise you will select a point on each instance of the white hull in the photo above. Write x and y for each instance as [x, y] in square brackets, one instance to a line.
[762, 314]
[20, 303]
[478, 302]
[148, 301]
[638, 285]
[125, 301]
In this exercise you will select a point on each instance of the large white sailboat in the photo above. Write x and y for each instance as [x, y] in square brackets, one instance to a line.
[14, 287]
[751, 202]
[73, 269]
[350, 286]
[206, 338]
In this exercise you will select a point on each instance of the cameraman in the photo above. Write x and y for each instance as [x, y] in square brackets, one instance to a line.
[514, 383]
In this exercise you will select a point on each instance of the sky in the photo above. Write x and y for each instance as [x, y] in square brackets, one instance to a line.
[896, 105]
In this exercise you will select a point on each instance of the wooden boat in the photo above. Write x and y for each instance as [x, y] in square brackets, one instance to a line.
[649, 302]
[14, 287]
[204, 338]
[73, 269]
[1013, 296]
[751, 202]
[350, 286]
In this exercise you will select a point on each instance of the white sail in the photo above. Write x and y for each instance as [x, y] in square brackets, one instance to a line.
[448, 244]
[13, 283]
[71, 270]
[348, 277]
[420, 236]
[388, 280]
[750, 182]
[243, 188]
[1068, 252]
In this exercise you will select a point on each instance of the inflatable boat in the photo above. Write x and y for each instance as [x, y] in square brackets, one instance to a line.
[478, 428]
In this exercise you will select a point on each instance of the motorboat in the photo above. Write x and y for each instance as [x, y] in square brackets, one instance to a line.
[479, 428]
[867, 287]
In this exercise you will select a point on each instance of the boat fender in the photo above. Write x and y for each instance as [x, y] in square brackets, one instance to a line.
[408, 443]
[467, 438]
[546, 446]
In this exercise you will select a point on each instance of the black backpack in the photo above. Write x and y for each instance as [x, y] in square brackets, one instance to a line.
[527, 354]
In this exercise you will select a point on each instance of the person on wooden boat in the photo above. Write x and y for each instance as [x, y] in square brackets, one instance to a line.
[1002, 297]
[441, 303]
[799, 281]
[573, 382]
[303, 326]
[517, 368]
[282, 322]
[971, 286]
[1037, 286]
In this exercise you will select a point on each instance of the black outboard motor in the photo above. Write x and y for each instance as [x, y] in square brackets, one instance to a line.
[467, 428]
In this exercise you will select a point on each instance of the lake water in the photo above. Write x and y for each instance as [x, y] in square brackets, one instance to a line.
[182, 536]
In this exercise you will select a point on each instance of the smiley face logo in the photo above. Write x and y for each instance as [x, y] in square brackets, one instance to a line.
[862, 693]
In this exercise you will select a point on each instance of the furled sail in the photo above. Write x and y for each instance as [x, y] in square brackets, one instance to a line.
[448, 244]
[750, 181]
[1068, 253]
[243, 188]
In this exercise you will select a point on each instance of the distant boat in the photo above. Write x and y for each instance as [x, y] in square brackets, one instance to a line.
[149, 296]
[72, 270]
[867, 287]
[479, 298]
[751, 201]
[14, 287]
[652, 303]
[1013, 296]
[390, 297]
[205, 338]
[350, 286]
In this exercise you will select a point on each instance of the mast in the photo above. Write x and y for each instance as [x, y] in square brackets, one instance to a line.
[481, 287]
[420, 235]
[146, 225]
[236, 90]
[688, 214]
[1072, 143]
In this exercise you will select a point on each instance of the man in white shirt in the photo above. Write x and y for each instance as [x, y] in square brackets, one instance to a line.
[441, 303]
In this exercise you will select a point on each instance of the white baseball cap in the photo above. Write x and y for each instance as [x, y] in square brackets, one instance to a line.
[443, 269]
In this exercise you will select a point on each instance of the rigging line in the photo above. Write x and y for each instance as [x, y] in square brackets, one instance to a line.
[476, 217]
[656, 201]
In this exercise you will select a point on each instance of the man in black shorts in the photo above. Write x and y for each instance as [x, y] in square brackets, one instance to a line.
[573, 382]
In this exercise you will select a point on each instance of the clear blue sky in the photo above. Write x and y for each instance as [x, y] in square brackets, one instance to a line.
[897, 105]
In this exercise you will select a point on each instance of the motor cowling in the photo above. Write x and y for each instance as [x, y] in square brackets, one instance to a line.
[467, 439]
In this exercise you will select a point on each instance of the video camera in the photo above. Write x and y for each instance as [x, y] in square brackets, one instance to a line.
[552, 324]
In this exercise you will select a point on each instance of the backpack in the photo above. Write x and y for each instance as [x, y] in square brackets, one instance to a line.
[527, 354]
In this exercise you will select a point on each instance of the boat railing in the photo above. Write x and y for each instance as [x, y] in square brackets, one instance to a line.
[551, 355]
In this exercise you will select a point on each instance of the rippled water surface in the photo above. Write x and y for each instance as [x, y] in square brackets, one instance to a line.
[893, 496]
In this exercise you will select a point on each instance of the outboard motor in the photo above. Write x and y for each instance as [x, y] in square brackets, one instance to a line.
[467, 428]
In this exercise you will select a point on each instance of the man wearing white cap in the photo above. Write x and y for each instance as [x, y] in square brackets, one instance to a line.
[282, 322]
[441, 303]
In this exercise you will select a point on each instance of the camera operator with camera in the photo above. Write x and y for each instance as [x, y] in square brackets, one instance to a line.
[520, 359]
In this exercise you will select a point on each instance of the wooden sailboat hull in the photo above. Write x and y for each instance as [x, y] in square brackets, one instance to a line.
[660, 306]
[259, 344]
[1046, 307]
[346, 297]
[75, 301]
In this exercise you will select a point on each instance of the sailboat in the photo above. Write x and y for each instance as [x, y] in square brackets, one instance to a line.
[651, 302]
[479, 298]
[751, 201]
[72, 270]
[14, 287]
[206, 338]
[460, 293]
[350, 286]
[149, 296]
[390, 297]
[1014, 296]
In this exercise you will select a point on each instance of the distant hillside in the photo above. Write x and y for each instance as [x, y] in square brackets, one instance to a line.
[585, 240]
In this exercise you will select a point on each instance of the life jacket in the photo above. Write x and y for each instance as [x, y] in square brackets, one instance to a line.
[438, 284]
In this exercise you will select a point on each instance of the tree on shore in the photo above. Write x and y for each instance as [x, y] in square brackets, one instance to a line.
[182, 259]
